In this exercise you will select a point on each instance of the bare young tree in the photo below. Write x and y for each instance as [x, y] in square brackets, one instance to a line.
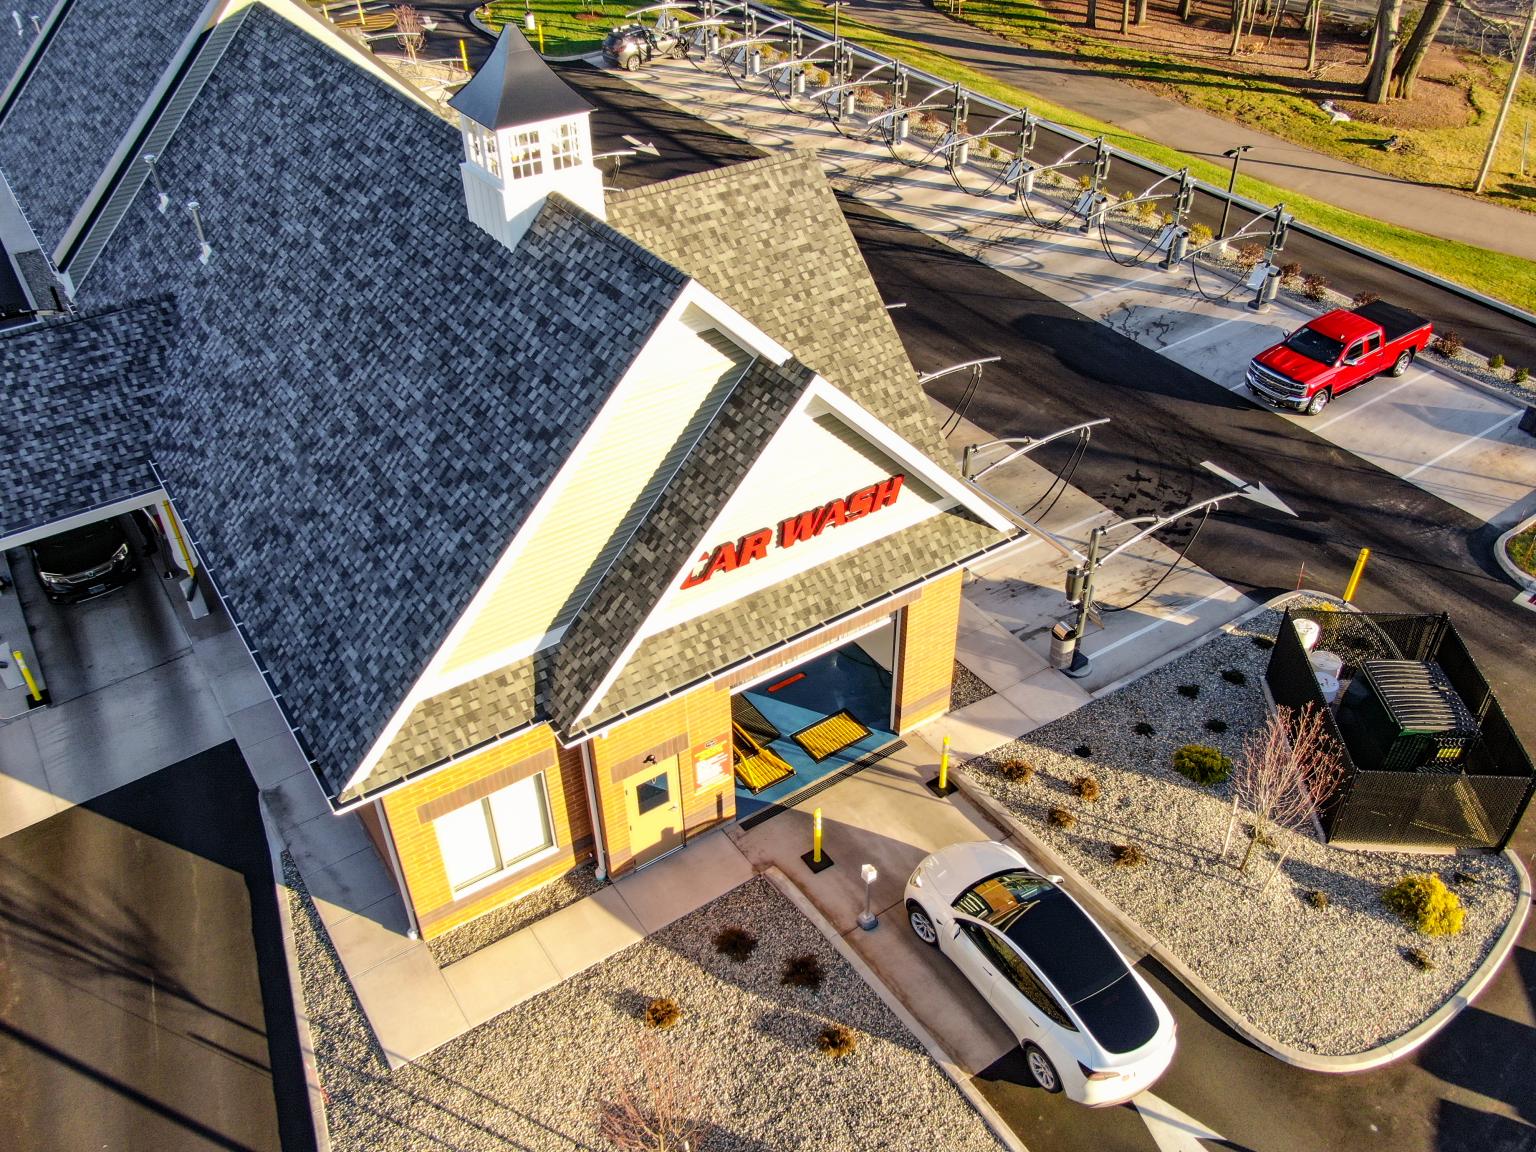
[409, 31]
[1411, 58]
[657, 1101]
[1385, 42]
[1285, 771]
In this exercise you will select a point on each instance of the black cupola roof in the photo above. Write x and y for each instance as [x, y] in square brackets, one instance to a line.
[515, 86]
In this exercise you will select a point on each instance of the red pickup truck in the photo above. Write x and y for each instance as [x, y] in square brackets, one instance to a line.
[1335, 352]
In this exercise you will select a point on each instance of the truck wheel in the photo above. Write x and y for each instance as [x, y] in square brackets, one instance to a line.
[1319, 402]
[1400, 365]
[632, 63]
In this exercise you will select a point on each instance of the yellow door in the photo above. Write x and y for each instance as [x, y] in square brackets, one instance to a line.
[655, 808]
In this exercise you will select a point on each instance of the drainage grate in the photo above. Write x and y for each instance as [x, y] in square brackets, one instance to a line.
[822, 785]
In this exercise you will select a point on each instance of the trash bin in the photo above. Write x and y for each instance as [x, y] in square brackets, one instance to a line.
[1528, 421]
[1063, 644]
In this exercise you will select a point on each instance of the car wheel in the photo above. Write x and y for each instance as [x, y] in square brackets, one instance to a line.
[632, 63]
[922, 925]
[1041, 1068]
[1400, 365]
[1319, 402]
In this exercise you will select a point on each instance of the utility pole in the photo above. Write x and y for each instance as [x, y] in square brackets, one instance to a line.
[1509, 98]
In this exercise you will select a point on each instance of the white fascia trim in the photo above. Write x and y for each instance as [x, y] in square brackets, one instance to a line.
[80, 519]
[915, 459]
[735, 325]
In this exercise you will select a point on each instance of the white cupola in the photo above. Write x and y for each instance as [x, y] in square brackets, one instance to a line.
[526, 134]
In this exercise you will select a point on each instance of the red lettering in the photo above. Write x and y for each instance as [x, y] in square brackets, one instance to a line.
[836, 512]
[887, 490]
[725, 560]
[754, 546]
[861, 503]
[801, 527]
[700, 572]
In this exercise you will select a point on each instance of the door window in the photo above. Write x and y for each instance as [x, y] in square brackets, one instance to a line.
[1016, 970]
[1373, 344]
[1354, 351]
[652, 794]
[494, 834]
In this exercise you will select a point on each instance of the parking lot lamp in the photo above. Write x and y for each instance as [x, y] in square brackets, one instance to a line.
[1234, 154]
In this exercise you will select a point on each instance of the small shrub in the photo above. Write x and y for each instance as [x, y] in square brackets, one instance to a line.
[1234, 676]
[1315, 287]
[1317, 898]
[1063, 819]
[1260, 837]
[1083, 750]
[1200, 235]
[1262, 642]
[1449, 343]
[1085, 182]
[1201, 763]
[1419, 958]
[1147, 210]
[1423, 900]
[1128, 856]
[1496, 362]
[1290, 274]
[1019, 771]
[1522, 375]
[661, 1013]
[1189, 691]
[1145, 729]
[1366, 297]
[1458, 877]
[737, 943]
[1249, 255]
[803, 971]
[1215, 725]
[1087, 789]
[837, 1041]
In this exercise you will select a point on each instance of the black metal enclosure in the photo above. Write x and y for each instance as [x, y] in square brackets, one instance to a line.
[1430, 761]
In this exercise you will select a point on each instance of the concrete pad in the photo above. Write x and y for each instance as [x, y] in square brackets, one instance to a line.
[239, 689]
[223, 652]
[670, 889]
[578, 936]
[352, 884]
[294, 800]
[500, 976]
[934, 991]
[324, 839]
[409, 1005]
[1047, 695]
[980, 727]
[999, 659]
[275, 759]
[366, 939]
[25, 798]
[259, 722]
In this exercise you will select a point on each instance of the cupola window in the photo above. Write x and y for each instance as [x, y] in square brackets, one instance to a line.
[525, 156]
[566, 149]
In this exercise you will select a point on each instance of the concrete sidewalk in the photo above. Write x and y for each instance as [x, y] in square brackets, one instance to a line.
[1430, 210]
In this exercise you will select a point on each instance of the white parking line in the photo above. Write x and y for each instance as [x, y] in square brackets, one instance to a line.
[1489, 431]
[1158, 623]
[1414, 379]
[1203, 332]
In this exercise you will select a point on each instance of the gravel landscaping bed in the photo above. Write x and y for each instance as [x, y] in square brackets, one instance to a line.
[1332, 980]
[968, 688]
[577, 884]
[539, 1076]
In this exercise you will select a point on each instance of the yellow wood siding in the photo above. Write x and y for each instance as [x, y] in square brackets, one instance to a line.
[672, 381]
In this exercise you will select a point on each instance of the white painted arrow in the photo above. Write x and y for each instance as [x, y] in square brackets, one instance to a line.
[1258, 493]
[1174, 1131]
[648, 149]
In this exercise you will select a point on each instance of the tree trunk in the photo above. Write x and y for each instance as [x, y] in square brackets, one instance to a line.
[1239, 10]
[1389, 16]
[1259, 827]
[1226, 842]
[1093, 13]
[1315, 21]
[1125, 17]
[1141, 11]
[1186, 10]
[1274, 22]
[1406, 71]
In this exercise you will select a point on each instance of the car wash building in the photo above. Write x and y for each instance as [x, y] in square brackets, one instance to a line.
[567, 524]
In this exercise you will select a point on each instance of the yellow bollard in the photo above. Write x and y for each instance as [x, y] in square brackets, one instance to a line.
[186, 553]
[1354, 577]
[464, 55]
[26, 674]
[944, 767]
[816, 838]
[541, 39]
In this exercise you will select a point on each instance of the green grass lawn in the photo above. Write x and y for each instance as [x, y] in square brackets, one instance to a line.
[1504, 277]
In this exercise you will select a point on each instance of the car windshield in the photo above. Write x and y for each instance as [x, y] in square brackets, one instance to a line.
[1001, 900]
[1314, 346]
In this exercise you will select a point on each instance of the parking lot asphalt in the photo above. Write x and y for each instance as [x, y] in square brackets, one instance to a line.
[144, 996]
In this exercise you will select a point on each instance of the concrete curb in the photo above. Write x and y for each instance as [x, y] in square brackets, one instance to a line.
[946, 1063]
[1356, 1062]
[296, 985]
[1501, 554]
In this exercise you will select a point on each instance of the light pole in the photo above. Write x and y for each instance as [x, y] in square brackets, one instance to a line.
[1235, 154]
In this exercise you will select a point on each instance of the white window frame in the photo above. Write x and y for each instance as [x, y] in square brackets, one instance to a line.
[504, 866]
[525, 156]
[565, 146]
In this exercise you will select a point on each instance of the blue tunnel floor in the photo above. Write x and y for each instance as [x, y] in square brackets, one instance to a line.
[845, 678]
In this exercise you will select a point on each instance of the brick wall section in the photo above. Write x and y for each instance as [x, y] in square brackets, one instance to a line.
[926, 660]
[690, 722]
[416, 842]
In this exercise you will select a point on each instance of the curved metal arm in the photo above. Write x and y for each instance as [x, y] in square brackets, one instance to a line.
[1027, 444]
[1158, 524]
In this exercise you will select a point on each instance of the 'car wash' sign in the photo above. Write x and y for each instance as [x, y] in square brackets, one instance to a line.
[733, 554]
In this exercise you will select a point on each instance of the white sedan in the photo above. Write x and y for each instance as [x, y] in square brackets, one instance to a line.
[1085, 1019]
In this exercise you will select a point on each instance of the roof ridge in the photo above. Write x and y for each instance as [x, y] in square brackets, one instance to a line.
[662, 187]
[604, 232]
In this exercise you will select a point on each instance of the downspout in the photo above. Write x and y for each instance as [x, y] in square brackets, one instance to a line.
[414, 931]
[599, 834]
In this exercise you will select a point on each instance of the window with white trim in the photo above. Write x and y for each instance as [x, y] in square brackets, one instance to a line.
[495, 834]
[525, 155]
[565, 148]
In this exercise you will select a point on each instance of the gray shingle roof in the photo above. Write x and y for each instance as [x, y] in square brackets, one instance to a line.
[82, 391]
[767, 237]
[82, 96]
[514, 86]
[369, 392]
